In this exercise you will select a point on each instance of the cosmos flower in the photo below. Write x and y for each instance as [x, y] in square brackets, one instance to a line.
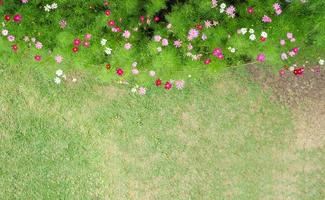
[231, 11]
[152, 73]
[38, 45]
[321, 62]
[157, 38]
[57, 80]
[178, 43]
[24, 1]
[260, 57]
[164, 42]
[59, 72]
[126, 34]
[103, 42]
[108, 51]
[63, 23]
[11, 38]
[193, 33]
[214, 3]
[179, 84]
[207, 23]
[142, 90]
[58, 59]
[252, 37]
[128, 46]
[4, 32]
[266, 19]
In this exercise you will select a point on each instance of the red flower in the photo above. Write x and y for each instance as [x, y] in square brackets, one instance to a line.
[199, 27]
[14, 47]
[250, 10]
[7, 18]
[156, 19]
[38, 58]
[75, 49]
[17, 18]
[263, 39]
[107, 12]
[168, 85]
[111, 23]
[119, 72]
[298, 71]
[118, 29]
[158, 82]
[76, 42]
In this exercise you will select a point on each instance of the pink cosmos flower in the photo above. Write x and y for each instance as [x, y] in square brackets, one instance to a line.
[277, 8]
[230, 11]
[157, 38]
[216, 52]
[58, 59]
[266, 19]
[128, 46]
[38, 45]
[292, 53]
[135, 71]
[260, 57]
[179, 84]
[11, 38]
[282, 72]
[164, 42]
[178, 43]
[86, 44]
[76, 42]
[214, 3]
[189, 47]
[126, 34]
[282, 42]
[207, 23]
[142, 90]
[88, 36]
[63, 24]
[24, 1]
[193, 33]
[289, 36]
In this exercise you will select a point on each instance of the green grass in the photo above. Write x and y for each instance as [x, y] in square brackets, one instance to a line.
[220, 138]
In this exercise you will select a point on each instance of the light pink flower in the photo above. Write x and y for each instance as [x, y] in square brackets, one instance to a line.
[289, 36]
[179, 84]
[11, 38]
[282, 42]
[292, 39]
[152, 73]
[127, 34]
[164, 42]
[88, 36]
[193, 33]
[284, 56]
[63, 23]
[128, 46]
[231, 11]
[292, 53]
[266, 19]
[214, 3]
[135, 71]
[189, 47]
[38, 45]
[24, 1]
[178, 43]
[142, 90]
[58, 59]
[157, 38]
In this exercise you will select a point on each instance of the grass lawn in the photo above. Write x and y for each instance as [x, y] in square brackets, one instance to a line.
[220, 138]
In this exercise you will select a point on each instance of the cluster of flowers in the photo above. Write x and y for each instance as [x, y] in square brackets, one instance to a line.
[252, 35]
[277, 8]
[49, 7]
[230, 11]
[38, 44]
[77, 42]
[293, 52]
[299, 71]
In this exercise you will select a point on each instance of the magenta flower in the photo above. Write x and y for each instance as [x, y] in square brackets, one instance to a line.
[260, 57]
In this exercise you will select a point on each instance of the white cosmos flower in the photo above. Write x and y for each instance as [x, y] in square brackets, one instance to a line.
[108, 51]
[5, 32]
[252, 37]
[232, 50]
[251, 31]
[57, 80]
[59, 72]
[47, 8]
[223, 6]
[243, 31]
[321, 62]
[222, 10]
[264, 34]
[103, 42]
[54, 6]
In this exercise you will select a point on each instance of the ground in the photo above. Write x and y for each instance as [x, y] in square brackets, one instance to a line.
[240, 134]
